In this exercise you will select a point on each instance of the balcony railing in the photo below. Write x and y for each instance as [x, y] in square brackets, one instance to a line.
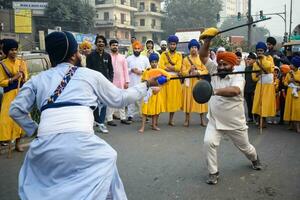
[111, 23]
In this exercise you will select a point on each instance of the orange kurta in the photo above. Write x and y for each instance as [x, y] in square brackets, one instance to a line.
[188, 102]
[9, 130]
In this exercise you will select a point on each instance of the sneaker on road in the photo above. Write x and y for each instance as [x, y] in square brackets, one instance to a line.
[256, 165]
[103, 128]
[213, 179]
[125, 122]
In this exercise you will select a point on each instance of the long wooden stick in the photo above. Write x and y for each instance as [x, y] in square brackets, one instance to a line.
[260, 97]
[215, 74]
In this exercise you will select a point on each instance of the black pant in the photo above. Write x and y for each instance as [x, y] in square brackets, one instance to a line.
[249, 100]
[282, 105]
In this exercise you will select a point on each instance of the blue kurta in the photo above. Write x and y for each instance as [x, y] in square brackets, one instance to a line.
[70, 165]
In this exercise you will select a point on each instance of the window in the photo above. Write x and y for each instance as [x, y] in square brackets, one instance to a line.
[142, 23]
[35, 65]
[142, 6]
[106, 34]
[97, 2]
[123, 18]
[144, 39]
[153, 7]
[106, 15]
[123, 2]
[153, 24]
[126, 35]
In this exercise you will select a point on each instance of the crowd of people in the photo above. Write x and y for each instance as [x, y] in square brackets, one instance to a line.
[266, 92]
[106, 85]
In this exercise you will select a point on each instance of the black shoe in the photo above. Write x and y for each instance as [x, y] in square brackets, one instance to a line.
[125, 122]
[115, 117]
[129, 119]
[256, 165]
[111, 123]
[213, 179]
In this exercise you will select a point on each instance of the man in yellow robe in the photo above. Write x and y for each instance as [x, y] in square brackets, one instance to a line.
[292, 102]
[264, 102]
[171, 62]
[192, 65]
[13, 73]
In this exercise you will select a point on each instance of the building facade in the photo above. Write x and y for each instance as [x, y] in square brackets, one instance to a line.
[148, 20]
[122, 19]
[113, 19]
[232, 7]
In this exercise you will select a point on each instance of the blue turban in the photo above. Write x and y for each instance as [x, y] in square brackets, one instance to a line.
[173, 38]
[153, 56]
[9, 44]
[60, 46]
[194, 43]
[261, 45]
[296, 61]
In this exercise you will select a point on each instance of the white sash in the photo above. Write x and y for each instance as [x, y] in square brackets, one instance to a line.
[66, 119]
[266, 79]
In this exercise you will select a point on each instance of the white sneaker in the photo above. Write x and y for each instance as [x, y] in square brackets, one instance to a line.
[103, 128]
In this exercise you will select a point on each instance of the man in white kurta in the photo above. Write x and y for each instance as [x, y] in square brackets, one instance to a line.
[67, 160]
[225, 112]
[137, 63]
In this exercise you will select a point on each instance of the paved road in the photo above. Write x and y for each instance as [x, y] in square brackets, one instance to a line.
[169, 164]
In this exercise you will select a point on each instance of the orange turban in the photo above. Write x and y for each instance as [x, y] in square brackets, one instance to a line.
[137, 44]
[85, 45]
[285, 69]
[228, 57]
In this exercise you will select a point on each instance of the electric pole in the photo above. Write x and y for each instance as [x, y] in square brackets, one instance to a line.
[249, 26]
[290, 32]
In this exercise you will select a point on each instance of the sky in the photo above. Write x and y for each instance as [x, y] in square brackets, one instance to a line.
[276, 24]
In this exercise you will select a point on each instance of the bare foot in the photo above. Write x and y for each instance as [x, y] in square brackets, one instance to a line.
[155, 128]
[186, 123]
[18, 148]
[203, 124]
[171, 123]
[141, 130]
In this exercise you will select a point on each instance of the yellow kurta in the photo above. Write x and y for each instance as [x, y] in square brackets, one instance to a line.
[264, 94]
[155, 104]
[172, 91]
[188, 102]
[292, 104]
[9, 130]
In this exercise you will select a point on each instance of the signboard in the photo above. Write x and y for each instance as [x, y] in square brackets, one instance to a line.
[23, 21]
[30, 5]
[186, 36]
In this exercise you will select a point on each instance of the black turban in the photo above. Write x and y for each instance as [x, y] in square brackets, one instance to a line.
[9, 44]
[271, 40]
[60, 46]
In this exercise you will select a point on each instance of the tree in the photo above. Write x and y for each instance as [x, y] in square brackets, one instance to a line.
[190, 14]
[258, 33]
[73, 15]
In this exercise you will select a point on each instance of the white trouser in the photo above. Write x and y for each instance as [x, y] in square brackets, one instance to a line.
[212, 140]
[110, 111]
[134, 109]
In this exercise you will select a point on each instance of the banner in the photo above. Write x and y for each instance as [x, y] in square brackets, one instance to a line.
[23, 21]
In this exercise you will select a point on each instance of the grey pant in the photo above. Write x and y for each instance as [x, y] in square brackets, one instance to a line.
[212, 140]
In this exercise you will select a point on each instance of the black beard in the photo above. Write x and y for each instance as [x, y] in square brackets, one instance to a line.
[223, 71]
[136, 53]
[163, 48]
